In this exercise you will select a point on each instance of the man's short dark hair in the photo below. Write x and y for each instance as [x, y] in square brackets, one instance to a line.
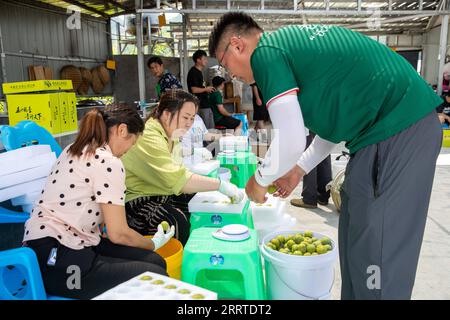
[233, 22]
[198, 55]
[217, 81]
[154, 60]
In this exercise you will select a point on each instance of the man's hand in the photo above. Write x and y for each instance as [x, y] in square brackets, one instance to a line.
[258, 102]
[210, 89]
[255, 192]
[441, 117]
[287, 183]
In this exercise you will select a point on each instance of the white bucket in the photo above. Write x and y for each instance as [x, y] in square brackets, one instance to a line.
[291, 277]
[224, 174]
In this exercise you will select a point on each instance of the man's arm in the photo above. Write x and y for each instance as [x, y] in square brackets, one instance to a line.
[289, 140]
[223, 111]
[202, 90]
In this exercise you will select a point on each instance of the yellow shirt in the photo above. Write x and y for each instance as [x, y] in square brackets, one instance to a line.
[151, 168]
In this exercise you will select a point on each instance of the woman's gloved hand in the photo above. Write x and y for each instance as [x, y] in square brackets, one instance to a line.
[161, 238]
[230, 190]
[206, 154]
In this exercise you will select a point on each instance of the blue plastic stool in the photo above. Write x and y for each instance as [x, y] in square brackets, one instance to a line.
[27, 133]
[243, 118]
[20, 276]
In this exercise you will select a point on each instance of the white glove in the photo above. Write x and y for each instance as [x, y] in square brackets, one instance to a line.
[206, 154]
[234, 193]
[160, 238]
[201, 154]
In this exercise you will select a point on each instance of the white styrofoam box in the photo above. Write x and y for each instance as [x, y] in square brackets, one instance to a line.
[202, 168]
[33, 162]
[268, 212]
[236, 143]
[153, 286]
[25, 175]
[27, 199]
[21, 189]
[28, 208]
[215, 202]
[9, 160]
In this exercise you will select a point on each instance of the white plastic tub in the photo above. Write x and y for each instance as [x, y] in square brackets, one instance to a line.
[291, 277]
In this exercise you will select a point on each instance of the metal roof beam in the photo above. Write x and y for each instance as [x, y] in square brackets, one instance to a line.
[117, 4]
[86, 7]
[309, 12]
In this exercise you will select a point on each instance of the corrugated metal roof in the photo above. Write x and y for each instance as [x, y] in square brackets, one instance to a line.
[371, 16]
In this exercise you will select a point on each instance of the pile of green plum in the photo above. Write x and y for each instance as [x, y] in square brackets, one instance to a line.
[300, 244]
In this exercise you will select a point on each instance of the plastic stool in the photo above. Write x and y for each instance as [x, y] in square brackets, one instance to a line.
[232, 269]
[20, 276]
[241, 164]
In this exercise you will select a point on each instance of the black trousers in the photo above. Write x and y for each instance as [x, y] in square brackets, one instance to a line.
[314, 183]
[100, 268]
[144, 214]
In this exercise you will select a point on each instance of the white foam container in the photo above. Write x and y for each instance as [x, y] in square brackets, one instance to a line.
[27, 208]
[19, 158]
[32, 162]
[203, 168]
[25, 175]
[215, 202]
[291, 277]
[236, 143]
[27, 199]
[136, 289]
[22, 189]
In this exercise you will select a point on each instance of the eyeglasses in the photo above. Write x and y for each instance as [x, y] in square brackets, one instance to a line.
[221, 66]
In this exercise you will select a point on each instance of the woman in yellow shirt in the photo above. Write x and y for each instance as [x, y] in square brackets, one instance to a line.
[159, 186]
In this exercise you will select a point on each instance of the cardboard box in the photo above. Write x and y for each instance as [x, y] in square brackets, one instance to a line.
[35, 86]
[41, 108]
[68, 110]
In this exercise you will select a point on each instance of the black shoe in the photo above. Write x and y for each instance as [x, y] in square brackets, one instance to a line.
[322, 203]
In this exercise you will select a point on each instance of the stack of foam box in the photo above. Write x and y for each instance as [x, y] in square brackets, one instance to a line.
[23, 173]
[234, 143]
[270, 216]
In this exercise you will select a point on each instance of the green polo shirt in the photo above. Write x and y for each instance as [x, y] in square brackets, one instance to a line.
[151, 168]
[215, 99]
[350, 87]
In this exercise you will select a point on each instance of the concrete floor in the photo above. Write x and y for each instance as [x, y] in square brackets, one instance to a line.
[433, 276]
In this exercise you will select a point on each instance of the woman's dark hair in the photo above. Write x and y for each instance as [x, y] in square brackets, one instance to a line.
[173, 101]
[95, 125]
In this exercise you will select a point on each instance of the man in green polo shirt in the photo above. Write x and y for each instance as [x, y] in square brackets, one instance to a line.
[347, 87]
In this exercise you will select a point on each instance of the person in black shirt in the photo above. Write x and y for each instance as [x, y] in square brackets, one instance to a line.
[443, 109]
[197, 86]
